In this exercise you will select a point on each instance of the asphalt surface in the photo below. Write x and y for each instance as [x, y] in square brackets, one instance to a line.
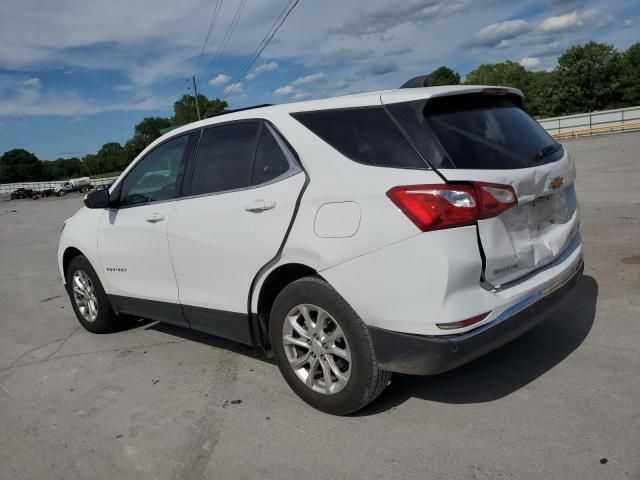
[561, 402]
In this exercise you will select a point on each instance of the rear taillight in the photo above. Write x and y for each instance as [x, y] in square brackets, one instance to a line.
[434, 207]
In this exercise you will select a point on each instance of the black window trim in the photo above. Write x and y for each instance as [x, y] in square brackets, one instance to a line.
[179, 180]
[383, 107]
[290, 154]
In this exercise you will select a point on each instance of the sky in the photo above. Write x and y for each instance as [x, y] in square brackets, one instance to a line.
[75, 74]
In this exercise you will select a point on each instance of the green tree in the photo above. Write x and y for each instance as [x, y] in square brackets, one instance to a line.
[91, 165]
[444, 76]
[508, 74]
[185, 108]
[19, 165]
[589, 78]
[62, 168]
[112, 157]
[630, 77]
[150, 127]
[541, 93]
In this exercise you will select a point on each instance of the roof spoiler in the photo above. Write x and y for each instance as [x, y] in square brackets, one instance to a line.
[417, 82]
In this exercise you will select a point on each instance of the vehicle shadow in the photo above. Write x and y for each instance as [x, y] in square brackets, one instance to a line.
[210, 340]
[508, 368]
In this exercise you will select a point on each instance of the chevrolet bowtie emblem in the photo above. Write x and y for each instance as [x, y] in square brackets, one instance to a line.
[556, 183]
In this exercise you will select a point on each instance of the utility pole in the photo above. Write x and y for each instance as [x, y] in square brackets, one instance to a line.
[195, 91]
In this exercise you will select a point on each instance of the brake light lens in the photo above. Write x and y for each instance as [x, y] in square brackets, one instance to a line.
[435, 207]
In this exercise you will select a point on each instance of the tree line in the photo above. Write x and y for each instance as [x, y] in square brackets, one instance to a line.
[587, 78]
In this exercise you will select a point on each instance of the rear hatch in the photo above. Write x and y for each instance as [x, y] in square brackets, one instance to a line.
[486, 136]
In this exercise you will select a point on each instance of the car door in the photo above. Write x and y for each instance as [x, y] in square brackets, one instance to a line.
[132, 240]
[244, 185]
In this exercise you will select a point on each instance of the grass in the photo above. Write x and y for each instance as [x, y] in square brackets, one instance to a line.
[106, 175]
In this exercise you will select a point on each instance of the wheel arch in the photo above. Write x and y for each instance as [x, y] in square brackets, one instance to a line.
[69, 254]
[273, 284]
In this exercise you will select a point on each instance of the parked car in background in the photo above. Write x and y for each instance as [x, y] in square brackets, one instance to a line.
[22, 193]
[408, 230]
[74, 185]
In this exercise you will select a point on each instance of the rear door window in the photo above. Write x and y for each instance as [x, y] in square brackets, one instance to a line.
[476, 132]
[225, 158]
[365, 135]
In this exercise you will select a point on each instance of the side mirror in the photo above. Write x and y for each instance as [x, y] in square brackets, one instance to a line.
[98, 199]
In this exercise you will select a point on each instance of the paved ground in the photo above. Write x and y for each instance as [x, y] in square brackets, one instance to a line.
[561, 402]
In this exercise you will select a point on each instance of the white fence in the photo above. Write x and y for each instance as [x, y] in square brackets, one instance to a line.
[593, 123]
[7, 188]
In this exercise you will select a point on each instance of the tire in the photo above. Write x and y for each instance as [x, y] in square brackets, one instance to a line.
[105, 320]
[61, 193]
[84, 189]
[365, 381]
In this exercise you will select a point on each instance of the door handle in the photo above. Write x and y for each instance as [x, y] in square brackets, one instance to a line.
[155, 218]
[258, 206]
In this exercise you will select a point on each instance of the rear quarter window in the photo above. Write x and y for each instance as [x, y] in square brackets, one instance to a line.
[365, 135]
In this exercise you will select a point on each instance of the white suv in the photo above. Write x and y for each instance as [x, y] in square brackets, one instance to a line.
[408, 230]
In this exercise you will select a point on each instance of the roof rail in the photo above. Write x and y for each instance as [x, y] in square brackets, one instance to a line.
[210, 114]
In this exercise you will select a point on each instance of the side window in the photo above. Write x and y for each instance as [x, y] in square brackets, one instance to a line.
[225, 157]
[365, 135]
[271, 161]
[155, 177]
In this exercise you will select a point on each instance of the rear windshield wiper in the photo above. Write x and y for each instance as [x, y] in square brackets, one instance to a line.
[546, 151]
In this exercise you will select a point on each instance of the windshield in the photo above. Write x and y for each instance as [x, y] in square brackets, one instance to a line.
[476, 132]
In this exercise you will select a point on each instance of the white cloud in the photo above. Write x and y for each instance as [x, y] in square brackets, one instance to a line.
[530, 63]
[265, 67]
[301, 95]
[219, 79]
[314, 77]
[504, 44]
[234, 90]
[283, 91]
[568, 21]
[33, 102]
[33, 82]
[496, 33]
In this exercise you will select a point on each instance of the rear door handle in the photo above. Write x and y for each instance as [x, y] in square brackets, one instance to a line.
[155, 218]
[260, 206]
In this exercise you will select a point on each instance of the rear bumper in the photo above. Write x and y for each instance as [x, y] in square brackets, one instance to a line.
[430, 355]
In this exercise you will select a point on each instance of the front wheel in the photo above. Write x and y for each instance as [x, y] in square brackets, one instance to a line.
[61, 193]
[323, 349]
[88, 298]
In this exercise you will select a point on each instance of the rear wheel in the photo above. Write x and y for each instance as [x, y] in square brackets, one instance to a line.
[88, 298]
[323, 348]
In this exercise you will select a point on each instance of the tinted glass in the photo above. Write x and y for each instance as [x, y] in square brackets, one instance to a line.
[270, 159]
[224, 159]
[477, 132]
[156, 176]
[366, 135]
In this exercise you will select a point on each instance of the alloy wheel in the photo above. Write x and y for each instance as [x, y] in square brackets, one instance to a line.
[317, 349]
[84, 295]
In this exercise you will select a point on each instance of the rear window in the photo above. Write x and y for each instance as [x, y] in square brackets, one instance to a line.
[476, 132]
[365, 135]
